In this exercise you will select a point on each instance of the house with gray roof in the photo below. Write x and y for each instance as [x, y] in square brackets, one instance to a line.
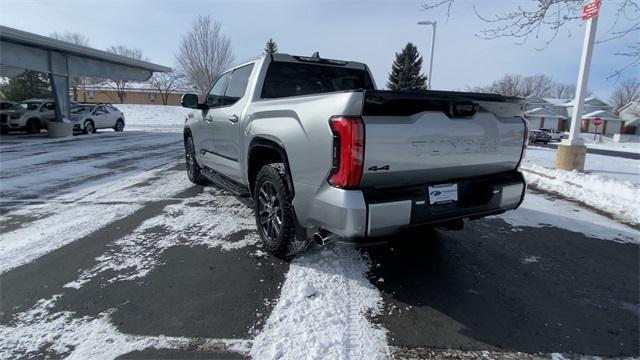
[556, 114]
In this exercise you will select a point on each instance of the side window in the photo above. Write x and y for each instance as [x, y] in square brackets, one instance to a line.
[238, 84]
[99, 110]
[48, 106]
[215, 98]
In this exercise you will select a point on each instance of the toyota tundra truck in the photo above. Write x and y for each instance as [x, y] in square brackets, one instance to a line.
[322, 152]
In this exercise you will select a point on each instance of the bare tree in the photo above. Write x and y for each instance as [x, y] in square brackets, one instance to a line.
[166, 84]
[563, 91]
[120, 86]
[78, 39]
[626, 92]
[204, 53]
[523, 86]
[546, 18]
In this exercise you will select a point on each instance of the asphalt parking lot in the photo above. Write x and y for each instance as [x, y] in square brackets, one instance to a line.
[117, 255]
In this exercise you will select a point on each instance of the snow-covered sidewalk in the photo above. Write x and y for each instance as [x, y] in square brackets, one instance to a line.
[609, 184]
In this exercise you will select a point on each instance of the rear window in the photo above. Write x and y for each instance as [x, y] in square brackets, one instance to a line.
[285, 79]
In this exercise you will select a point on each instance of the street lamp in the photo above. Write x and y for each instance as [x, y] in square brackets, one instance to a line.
[433, 44]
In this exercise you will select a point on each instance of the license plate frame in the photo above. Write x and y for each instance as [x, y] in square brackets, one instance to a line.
[442, 193]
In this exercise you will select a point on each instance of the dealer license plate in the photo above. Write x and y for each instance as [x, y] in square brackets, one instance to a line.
[443, 193]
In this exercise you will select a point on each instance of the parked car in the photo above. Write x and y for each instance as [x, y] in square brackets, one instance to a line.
[6, 104]
[554, 134]
[90, 117]
[318, 148]
[539, 136]
[29, 115]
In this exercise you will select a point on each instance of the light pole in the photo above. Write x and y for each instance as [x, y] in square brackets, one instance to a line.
[433, 44]
[571, 153]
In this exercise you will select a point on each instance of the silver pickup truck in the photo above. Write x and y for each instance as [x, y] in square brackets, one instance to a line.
[321, 150]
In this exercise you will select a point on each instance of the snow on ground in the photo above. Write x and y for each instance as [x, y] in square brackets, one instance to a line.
[38, 167]
[609, 184]
[540, 210]
[605, 166]
[607, 143]
[323, 310]
[58, 222]
[207, 219]
[154, 117]
[41, 330]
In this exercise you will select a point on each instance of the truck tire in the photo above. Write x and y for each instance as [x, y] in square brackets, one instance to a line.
[193, 169]
[274, 214]
[33, 126]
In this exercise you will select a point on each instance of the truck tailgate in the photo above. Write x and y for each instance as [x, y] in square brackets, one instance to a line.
[436, 136]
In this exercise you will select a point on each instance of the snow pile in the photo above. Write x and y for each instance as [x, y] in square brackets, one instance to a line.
[153, 117]
[60, 334]
[189, 223]
[618, 198]
[322, 311]
[543, 211]
[612, 167]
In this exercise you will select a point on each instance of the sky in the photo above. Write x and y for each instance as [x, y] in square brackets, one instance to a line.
[367, 31]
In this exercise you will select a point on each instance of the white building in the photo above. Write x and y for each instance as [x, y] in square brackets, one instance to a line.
[556, 114]
[630, 114]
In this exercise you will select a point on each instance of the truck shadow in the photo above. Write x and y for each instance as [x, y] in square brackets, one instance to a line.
[495, 287]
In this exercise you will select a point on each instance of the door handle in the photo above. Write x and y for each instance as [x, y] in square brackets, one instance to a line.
[233, 118]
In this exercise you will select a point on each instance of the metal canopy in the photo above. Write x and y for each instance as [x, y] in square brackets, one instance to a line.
[60, 59]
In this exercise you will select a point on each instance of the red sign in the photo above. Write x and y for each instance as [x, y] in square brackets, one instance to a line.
[597, 121]
[591, 9]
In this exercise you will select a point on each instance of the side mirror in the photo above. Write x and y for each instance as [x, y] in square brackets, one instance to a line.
[189, 101]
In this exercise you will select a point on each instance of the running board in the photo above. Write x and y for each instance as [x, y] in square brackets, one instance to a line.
[224, 182]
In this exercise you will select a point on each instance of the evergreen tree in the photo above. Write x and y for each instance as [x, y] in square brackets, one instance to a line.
[405, 73]
[28, 85]
[271, 47]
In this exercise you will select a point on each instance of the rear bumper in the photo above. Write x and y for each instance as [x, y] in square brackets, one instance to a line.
[368, 213]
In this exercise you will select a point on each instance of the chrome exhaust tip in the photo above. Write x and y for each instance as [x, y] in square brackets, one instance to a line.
[322, 238]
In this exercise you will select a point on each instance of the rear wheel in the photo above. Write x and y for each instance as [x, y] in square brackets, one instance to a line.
[274, 214]
[89, 128]
[119, 126]
[193, 169]
[33, 126]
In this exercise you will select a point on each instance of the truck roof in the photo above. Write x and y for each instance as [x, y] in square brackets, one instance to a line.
[317, 60]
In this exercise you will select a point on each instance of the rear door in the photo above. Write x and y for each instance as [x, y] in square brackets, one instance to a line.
[227, 124]
[100, 117]
[47, 111]
[435, 137]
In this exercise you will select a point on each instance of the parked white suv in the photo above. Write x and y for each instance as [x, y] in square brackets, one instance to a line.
[90, 117]
[30, 115]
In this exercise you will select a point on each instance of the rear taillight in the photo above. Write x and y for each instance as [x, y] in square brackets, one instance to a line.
[348, 151]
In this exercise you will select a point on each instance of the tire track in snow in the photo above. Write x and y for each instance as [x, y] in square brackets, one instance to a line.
[322, 310]
[60, 224]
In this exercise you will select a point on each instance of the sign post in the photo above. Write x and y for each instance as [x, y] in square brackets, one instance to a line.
[572, 151]
[597, 122]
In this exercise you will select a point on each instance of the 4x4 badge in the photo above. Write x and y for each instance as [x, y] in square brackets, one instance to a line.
[375, 168]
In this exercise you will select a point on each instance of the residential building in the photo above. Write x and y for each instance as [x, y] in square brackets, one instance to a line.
[556, 114]
[135, 93]
[630, 114]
